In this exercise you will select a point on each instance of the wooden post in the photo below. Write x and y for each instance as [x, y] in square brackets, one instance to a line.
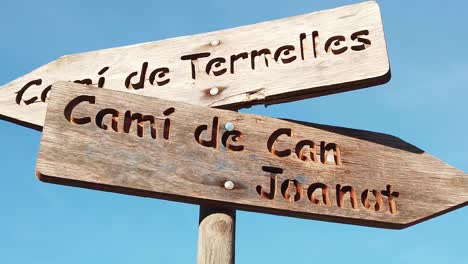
[216, 235]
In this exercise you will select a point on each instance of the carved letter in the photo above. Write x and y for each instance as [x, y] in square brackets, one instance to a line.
[86, 81]
[235, 137]
[243, 55]
[378, 200]
[365, 42]
[254, 54]
[20, 93]
[217, 63]
[302, 36]
[391, 195]
[167, 123]
[300, 150]
[336, 40]
[102, 80]
[272, 139]
[45, 93]
[213, 143]
[273, 182]
[160, 73]
[325, 194]
[341, 192]
[315, 43]
[114, 119]
[325, 150]
[72, 104]
[194, 57]
[129, 117]
[141, 83]
[285, 50]
[285, 190]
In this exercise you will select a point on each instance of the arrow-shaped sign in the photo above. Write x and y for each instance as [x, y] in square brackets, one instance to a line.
[120, 142]
[278, 61]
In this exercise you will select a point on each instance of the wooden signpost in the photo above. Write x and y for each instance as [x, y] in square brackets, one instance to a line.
[164, 141]
[277, 61]
[113, 141]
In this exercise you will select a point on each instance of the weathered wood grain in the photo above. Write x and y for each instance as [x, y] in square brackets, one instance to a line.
[180, 168]
[334, 51]
[216, 236]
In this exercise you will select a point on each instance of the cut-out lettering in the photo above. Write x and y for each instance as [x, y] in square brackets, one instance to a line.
[167, 123]
[298, 189]
[378, 205]
[357, 36]
[120, 122]
[141, 81]
[259, 59]
[391, 195]
[326, 149]
[261, 53]
[86, 81]
[341, 193]
[330, 153]
[336, 41]
[158, 75]
[235, 137]
[283, 52]
[302, 37]
[68, 111]
[274, 171]
[102, 80]
[325, 194]
[217, 64]
[193, 58]
[301, 149]
[234, 58]
[274, 137]
[45, 93]
[315, 43]
[319, 194]
[141, 120]
[213, 142]
[114, 117]
[20, 93]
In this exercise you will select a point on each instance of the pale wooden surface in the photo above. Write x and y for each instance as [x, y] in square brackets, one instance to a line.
[181, 169]
[216, 236]
[318, 74]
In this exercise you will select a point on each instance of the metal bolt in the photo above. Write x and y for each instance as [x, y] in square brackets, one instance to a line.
[215, 43]
[229, 126]
[229, 185]
[214, 91]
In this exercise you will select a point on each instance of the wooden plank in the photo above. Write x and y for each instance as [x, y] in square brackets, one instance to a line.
[216, 236]
[367, 178]
[334, 51]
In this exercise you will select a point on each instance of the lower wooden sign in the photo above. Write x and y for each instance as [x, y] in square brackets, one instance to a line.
[125, 143]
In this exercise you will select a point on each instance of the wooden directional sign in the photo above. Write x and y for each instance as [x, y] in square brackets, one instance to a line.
[119, 142]
[277, 61]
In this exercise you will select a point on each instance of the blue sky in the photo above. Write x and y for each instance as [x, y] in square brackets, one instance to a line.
[424, 104]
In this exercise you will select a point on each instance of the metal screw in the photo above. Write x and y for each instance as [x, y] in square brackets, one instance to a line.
[215, 43]
[229, 126]
[229, 185]
[214, 91]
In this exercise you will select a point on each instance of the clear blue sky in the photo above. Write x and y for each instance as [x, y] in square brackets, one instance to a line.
[424, 103]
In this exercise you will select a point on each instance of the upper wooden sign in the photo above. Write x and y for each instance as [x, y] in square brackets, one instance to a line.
[138, 145]
[277, 61]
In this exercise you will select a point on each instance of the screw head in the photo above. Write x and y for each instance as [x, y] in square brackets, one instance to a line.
[214, 91]
[215, 42]
[229, 126]
[229, 185]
